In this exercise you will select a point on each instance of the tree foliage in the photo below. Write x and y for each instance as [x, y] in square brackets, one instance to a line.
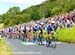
[48, 8]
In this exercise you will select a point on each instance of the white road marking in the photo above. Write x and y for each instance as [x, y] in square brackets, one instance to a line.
[44, 42]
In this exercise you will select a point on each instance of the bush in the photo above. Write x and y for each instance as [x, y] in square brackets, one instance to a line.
[66, 35]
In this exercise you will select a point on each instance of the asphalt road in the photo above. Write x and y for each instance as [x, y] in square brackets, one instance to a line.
[19, 49]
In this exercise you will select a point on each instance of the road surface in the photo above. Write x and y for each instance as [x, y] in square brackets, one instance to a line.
[20, 49]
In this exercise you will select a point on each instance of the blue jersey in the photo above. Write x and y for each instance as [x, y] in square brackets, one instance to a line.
[10, 30]
[49, 28]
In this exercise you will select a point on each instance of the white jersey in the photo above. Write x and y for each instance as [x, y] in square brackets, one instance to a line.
[22, 28]
[28, 28]
[68, 22]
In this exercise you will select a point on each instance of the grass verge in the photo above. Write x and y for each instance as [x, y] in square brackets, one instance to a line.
[4, 48]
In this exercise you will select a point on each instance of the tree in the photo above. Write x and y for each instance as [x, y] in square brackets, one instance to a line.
[13, 11]
[48, 8]
[34, 14]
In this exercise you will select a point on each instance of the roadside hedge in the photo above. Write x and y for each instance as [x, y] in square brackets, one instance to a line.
[66, 35]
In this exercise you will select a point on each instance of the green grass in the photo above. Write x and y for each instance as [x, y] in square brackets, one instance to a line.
[66, 35]
[4, 48]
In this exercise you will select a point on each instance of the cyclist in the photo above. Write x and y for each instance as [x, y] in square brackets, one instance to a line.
[48, 40]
